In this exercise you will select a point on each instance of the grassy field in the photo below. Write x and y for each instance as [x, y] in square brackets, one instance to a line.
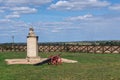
[89, 67]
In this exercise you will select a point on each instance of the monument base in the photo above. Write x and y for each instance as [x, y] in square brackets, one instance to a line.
[33, 59]
[23, 61]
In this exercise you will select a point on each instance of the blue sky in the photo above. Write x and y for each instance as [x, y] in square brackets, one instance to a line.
[60, 20]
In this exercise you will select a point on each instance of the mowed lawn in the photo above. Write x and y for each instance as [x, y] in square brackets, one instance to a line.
[90, 66]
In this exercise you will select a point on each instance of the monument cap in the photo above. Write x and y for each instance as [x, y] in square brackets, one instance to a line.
[31, 32]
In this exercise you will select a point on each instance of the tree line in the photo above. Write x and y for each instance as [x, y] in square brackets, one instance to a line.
[100, 43]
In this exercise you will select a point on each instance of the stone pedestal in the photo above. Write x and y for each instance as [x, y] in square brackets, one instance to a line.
[32, 46]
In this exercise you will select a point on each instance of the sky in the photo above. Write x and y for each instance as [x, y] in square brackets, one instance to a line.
[60, 20]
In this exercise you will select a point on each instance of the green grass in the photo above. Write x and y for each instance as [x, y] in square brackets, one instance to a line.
[89, 67]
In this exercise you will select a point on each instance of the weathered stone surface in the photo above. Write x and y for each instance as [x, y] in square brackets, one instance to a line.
[24, 61]
[68, 61]
[32, 45]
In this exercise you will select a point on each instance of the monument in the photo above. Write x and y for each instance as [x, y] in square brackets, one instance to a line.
[32, 52]
[32, 46]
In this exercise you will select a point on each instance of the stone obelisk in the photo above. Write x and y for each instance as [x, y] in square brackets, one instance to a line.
[32, 46]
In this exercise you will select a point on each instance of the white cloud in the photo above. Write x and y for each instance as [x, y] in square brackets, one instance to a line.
[23, 10]
[87, 23]
[88, 26]
[1, 11]
[16, 12]
[55, 31]
[78, 4]
[40, 1]
[96, 23]
[4, 35]
[76, 18]
[12, 16]
[10, 27]
[4, 21]
[15, 8]
[115, 7]
[15, 2]
[24, 2]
